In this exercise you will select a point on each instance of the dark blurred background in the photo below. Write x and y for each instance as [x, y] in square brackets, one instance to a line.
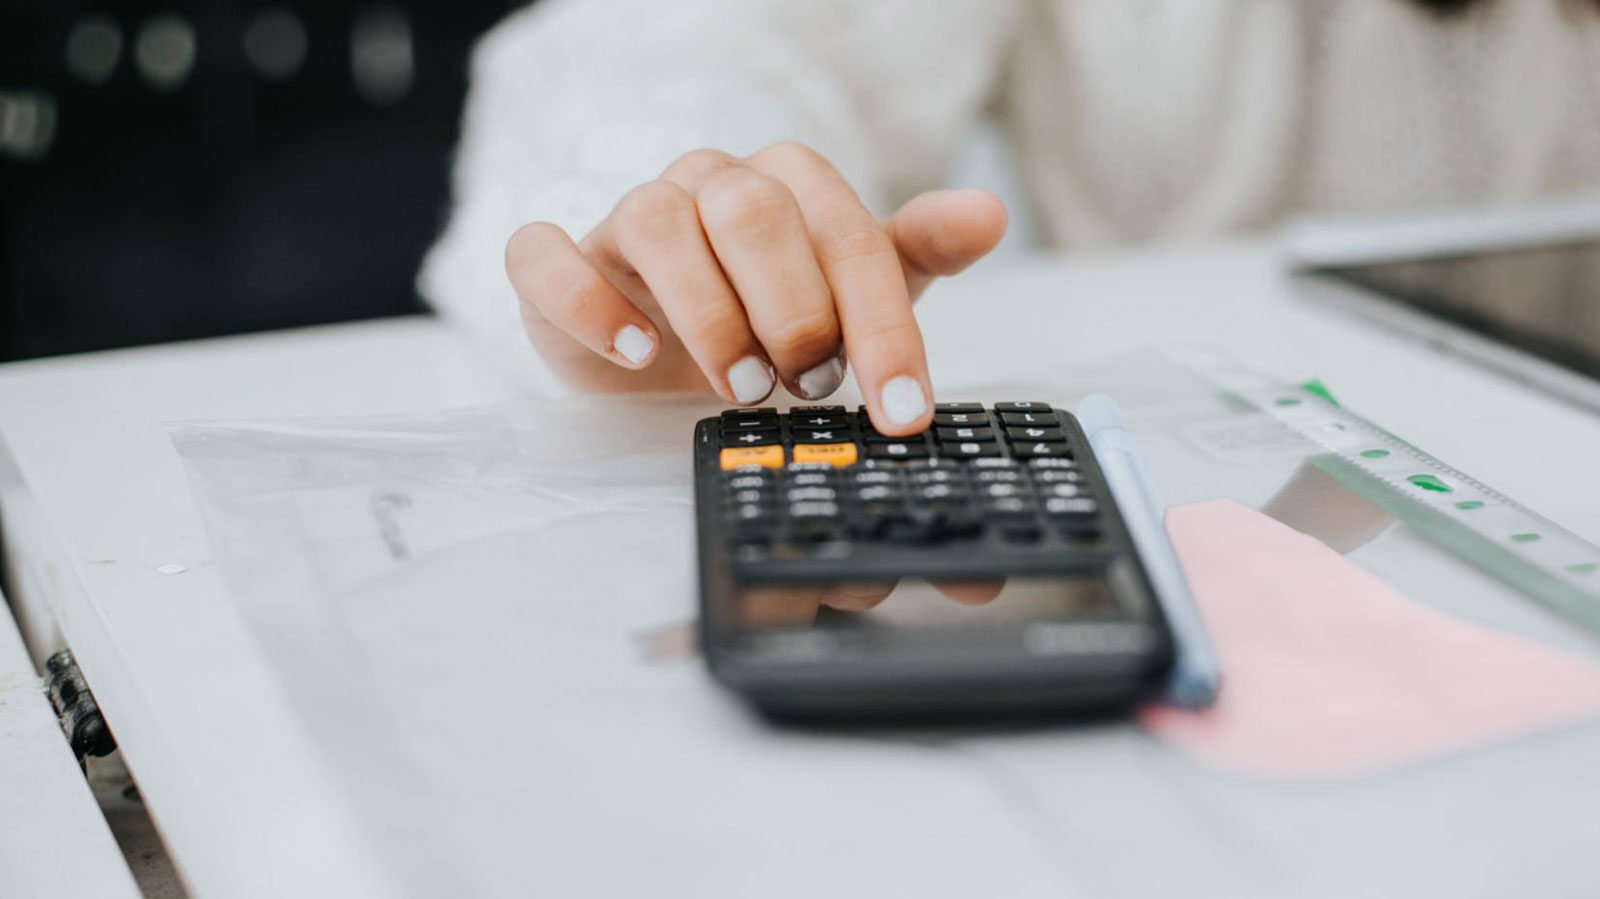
[180, 170]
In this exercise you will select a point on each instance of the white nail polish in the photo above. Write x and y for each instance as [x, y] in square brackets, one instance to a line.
[633, 344]
[751, 379]
[903, 400]
[822, 380]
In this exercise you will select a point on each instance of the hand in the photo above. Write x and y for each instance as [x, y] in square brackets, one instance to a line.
[735, 273]
[796, 605]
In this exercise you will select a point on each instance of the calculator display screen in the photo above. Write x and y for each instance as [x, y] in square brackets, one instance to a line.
[1544, 300]
[917, 604]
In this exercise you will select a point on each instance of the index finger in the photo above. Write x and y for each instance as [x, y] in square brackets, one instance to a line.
[863, 269]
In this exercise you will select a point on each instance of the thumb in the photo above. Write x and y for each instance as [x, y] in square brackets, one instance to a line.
[942, 232]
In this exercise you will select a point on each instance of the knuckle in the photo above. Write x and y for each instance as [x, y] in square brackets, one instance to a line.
[572, 293]
[745, 200]
[887, 332]
[859, 243]
[701, 160]
[805, 333]
[711, 327]
[654, 209]
[793, 153]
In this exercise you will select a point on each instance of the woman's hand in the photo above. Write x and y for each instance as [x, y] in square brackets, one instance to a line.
[739, 272]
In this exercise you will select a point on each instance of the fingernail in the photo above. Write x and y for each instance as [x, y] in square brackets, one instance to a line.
[751, 379]
[633, 344]
[822, 380]
[903, 401]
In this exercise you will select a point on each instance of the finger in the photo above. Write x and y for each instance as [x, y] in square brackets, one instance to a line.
[754, 226]
[655, 231]
[780, 605]
[863, 268]
[856, 596]
[556, 284]
[971, 593]
[693, 168]
[941, 232]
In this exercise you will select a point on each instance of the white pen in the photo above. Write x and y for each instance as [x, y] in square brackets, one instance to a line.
[1196, 674]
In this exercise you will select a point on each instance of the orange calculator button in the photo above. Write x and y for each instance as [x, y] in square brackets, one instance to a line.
[835, 454]
[740, 456]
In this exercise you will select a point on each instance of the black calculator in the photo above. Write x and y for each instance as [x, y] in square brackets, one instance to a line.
[979, 567]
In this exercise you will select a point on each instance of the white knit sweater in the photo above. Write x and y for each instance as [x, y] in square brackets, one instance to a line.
[1129, 120]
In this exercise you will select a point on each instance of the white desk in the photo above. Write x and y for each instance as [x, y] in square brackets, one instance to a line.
[97, 502]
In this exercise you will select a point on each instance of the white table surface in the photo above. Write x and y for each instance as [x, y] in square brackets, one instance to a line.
[103, 502]
[53, 839]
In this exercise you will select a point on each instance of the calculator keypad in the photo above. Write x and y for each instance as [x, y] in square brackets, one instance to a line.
[820, 478]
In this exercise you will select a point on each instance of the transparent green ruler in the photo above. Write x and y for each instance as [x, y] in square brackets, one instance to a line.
[1461, 515]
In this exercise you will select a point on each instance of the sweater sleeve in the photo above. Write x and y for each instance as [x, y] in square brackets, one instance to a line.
[573, 102]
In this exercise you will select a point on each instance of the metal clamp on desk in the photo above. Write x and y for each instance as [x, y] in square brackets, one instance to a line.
[79, 714]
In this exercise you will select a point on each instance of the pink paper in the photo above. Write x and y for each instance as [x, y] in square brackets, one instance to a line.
[1329, 672]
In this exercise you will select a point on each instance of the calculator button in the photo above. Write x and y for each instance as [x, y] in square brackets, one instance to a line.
[1000, 463]
[1003, 490]
[876, 476]
[812, 494]
[1037, 435]
[1046, 419]
[880, 493]
[745, 480]
[970, 449]
[805, 478]
[1057, 476]
[750, 438]
[997, 476]
[933, 476]
[744, 497]
[815, 420]
[799, 411]
[814, 530]
[875, 437]
[1085, 528]
[958, 419]
[1036, 450]
[1022, 407]
[822, 435]
[897, 450]
[934, 493]
[799, 468]
[870, 522]
[960, 522]
[814, 509]
[958, 407]
[915, 525]
[763, 412]
[1060, 463]
[735, 425]
[1007, 506]
[956, 434]
[1081, 505]
[835, 454]
[739, 456]
[1062, 490]
[1021, 530]
[751, 513]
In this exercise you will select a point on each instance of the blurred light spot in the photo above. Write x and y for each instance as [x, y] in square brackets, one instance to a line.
[275, 43]
[380, 54]
[93, 47]
[27, 124]
[164, 51]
